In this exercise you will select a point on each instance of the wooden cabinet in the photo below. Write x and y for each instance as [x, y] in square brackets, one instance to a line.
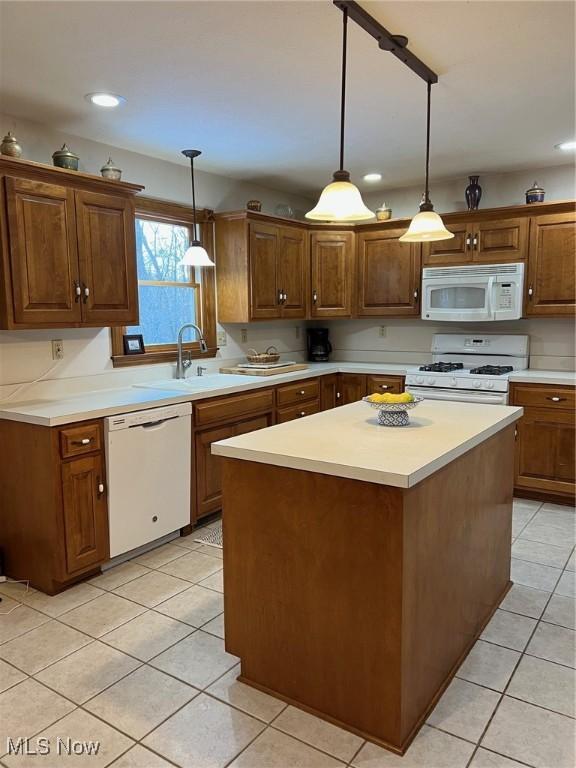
[227, 417]
[296, 400]
[54, 529]
[392, 384]
[329, 392]
[332, 273]
[476, 240]
[388, 275]
[551, 279]
[68, 249]
[351, 387]
[85, 512]
[262, 268]
[545, 459]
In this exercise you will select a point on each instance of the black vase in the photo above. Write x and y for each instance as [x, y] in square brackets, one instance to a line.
[473, 193]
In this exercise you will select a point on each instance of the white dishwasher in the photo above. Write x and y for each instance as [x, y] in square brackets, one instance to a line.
[148, 456]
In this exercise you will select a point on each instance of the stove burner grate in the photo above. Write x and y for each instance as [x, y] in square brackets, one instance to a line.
[442, 367]
[492, 370]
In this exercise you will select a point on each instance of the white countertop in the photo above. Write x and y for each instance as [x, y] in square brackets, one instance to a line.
[349, 442]
[108, 402]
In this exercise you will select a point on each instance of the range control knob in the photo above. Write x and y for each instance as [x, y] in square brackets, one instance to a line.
[490, 385]
[453, 381]
[432, 381]
[477, 384]
[419, 379]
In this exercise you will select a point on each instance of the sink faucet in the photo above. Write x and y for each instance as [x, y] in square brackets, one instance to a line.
[181, 364]
[200, 370]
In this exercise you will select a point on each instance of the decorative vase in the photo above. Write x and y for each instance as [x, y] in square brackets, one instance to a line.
[473, 193]
[535, 194]
[10, 146]
[65, 158]
[111, 171]
[254, 205]
[383, 213]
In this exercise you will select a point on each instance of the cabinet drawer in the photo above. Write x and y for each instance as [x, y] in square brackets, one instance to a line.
[394, 384]
[295, 393]
[543, 396]
[83, 438]
[297, 411]
[228, 408]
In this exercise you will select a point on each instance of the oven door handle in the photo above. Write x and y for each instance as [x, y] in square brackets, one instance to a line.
[459, 396]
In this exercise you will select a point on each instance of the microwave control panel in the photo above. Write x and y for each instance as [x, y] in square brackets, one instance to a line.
[504, 296]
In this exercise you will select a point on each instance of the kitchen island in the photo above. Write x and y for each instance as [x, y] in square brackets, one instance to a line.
[362, 562]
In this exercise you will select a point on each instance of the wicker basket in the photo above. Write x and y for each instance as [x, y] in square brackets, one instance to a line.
[270, 356]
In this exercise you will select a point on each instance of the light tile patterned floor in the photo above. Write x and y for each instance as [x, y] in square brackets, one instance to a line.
[135, 659]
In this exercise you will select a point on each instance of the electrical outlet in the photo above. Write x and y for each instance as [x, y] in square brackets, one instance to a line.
[244, 335]
[221, 338]
[57, 349]
[382, 331]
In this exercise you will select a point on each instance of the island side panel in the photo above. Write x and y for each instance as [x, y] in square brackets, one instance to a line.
[457, 542]
[312, 574]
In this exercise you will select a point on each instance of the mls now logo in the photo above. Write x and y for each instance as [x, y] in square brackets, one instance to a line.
[44, 746]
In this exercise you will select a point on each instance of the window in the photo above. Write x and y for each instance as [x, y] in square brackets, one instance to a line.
[169, 295]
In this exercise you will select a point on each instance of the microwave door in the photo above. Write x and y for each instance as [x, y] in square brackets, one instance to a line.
[456, 299]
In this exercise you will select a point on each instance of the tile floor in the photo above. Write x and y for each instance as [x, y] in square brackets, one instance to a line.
[135, 658]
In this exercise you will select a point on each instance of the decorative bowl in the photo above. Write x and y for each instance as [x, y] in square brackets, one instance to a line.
[393, 414]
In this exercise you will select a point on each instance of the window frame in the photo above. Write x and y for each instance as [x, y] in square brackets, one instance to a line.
[174, 213]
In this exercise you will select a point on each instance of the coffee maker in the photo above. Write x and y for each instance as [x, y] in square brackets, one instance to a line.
[319, 346]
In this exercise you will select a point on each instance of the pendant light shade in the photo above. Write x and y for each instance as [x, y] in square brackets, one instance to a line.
[195, 255]
[427, 225]
[341, 200]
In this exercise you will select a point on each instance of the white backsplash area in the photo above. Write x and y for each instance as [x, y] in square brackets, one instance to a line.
[552, 340]
[26, 356]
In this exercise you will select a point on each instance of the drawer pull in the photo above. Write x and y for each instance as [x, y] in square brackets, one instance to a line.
[84, 441]
[383, 386]
[556, 399]
[314, 297]
[338, 395]
[302, 413]
[77, 291]
[302, 392]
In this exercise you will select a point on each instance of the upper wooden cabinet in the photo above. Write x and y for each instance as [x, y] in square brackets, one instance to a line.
[551, 279]
[68, 248]
[332, 270]
[388, 275]
[476, 241]
[261, 269]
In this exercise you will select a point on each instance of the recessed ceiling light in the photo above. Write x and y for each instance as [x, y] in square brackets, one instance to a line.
[566, 145]
[371, 177]
[108, 100]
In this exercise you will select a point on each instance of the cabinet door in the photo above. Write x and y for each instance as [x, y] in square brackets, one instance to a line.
[329, 393]
[43, 252]
[264, 277]
[388, 275]
[499, 241]
[545, 451]
[449, 252]
[293, 271]
[107, 255]
[208, 467]
[332, 256]
[551, 280]
[352, 387]
[85, 513]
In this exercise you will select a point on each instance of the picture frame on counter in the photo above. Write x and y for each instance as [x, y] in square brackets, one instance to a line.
[133, 344]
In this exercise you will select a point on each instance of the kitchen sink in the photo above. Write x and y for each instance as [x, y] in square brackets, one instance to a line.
[201, 383]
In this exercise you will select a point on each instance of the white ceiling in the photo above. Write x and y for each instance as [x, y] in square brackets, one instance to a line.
[255, 85]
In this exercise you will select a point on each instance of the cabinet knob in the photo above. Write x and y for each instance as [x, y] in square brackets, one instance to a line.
[314, 297]
[77, 291]
[556, 399]
[84, 441]
[285, 297]
[415, 293]
[86, 292]
[280, 296]
[337, 395]
[474, 241]
[302, 413]
[530, 291]
[302, 392]
[467, 241]
[99, 487]
[383, 386]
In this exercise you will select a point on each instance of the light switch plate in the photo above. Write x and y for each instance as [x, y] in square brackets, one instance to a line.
[244, 335]
[57, 349]
[221, 338]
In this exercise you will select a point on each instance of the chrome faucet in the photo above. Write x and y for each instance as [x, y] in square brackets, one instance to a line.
[181, 364]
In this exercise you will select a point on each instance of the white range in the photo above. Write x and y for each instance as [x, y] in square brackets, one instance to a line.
[470, 368]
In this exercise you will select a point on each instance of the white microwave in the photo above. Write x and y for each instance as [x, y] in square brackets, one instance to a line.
[474, 293]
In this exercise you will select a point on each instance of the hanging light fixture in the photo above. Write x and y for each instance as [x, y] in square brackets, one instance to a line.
[427, 225]
[196, 255]
[341, 200]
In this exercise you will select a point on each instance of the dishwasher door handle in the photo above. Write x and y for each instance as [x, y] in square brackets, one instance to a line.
[153, 424]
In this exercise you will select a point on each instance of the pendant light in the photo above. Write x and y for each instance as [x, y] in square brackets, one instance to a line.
[341, 200]
[196, 255]
[427, 225]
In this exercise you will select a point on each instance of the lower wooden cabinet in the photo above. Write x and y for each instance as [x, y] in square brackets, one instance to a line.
[85, 512]
[206, 472]
[383, 384]
[329, 392]
[351, 387]
[545, 460]
[53, 503]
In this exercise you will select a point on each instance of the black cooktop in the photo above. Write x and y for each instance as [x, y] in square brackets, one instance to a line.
[442, 367]
[492, 370]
